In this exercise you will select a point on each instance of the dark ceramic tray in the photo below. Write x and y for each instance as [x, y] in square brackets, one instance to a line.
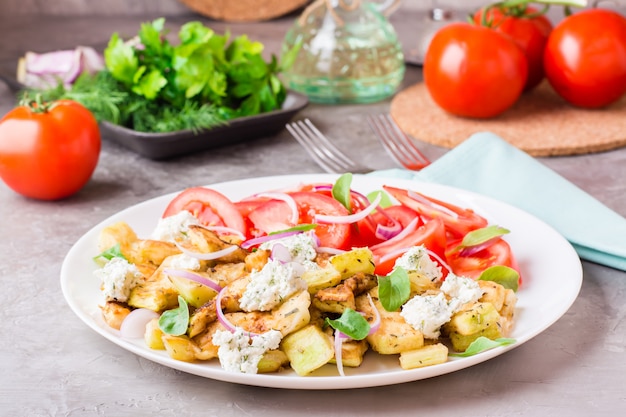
[168, 145]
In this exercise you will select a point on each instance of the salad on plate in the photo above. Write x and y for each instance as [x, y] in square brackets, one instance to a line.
[310, 275]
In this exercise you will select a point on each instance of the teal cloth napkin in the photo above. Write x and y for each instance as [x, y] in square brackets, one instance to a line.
[488, 165]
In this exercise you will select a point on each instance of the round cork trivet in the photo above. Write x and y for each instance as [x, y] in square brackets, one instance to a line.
[540, 123]
[244, 10]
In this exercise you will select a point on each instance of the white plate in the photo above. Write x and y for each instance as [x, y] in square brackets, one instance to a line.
[551, 270]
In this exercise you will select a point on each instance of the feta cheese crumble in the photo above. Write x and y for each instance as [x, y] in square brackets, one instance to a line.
[301, 246]
[427, 313]
[184, 261]
[270, 286]
[118, 277]
[172, 227]
[417, 260]
[238, 352]
[461, 290]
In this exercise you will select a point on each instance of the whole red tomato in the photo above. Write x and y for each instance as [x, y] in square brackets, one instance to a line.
[473, 71]
[48, 151]
[585, 58]
[528, 28]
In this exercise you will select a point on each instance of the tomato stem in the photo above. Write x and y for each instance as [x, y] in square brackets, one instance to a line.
[37, 105]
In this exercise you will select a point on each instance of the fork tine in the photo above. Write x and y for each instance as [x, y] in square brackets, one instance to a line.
[397, 143]
[322, 150]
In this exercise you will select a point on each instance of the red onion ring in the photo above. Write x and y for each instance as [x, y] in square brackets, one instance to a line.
[293, 206]
[226, 230]
[262, 239]
[421, 199]
[376, 324]
[404, 233]
[193, 277]
[134, 324]
[222, 318]
[281, 253]
[387, 232]
[472, 250]
[351, 218]
[330, 250]
[207, 256]
[338, 350]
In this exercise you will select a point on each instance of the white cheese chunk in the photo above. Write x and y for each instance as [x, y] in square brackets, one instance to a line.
[417, 259]
[270, 286]
[427, 313]
[172, 227]
[461, 290]
[301, 246]
[118, 277]
[238, 352]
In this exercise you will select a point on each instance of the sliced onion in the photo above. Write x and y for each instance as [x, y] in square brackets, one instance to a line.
[193, 277]
[351, 218]
[226, 230]
[421, 199]
[295, 214]
[472, 250]
[376, 324]
[134, 324]
[387, 232]
[339, 339]
[329, 250]
[281, 253]
[438, 259]
[394, 254]
[207, 256]
[262, 239]
[222, 318]
[404, 233]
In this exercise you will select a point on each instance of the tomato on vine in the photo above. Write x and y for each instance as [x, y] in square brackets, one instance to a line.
[473, 71]
[527, 26]
[48, 151]
[585, 58]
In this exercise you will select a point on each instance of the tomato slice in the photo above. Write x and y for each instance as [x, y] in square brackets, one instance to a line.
[432, 235]
[209, 206]
[458, 221]
[499, 253]
[274, 215]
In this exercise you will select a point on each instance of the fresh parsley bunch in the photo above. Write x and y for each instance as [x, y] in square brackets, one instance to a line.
[152, 85]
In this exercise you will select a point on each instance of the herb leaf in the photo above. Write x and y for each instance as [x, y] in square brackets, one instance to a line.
[394, 289]
[503, 275]
[298, 228]
[113, 252]
[341, 190]
[482, 344]
[175, 321]
[351, 323]
[485, 234]
[385, 200]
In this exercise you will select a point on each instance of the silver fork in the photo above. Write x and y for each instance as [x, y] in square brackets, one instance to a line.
[322, 150]
[397, 143]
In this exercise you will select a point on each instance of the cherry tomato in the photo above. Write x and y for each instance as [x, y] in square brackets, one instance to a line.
[528, 28]
[48, 151]
[431, 234]
[274, 215]
[585, 58]
[209, 206]
[458, 221]
[472, 266]
[473, 71]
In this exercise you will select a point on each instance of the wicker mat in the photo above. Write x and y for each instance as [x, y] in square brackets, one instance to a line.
[540, 123]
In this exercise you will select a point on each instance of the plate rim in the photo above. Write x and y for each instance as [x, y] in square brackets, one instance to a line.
[316, 382]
